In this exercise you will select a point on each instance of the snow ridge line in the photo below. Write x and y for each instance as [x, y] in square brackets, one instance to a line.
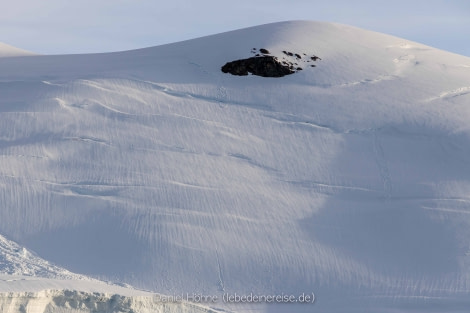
[462, 91]
[16, 260]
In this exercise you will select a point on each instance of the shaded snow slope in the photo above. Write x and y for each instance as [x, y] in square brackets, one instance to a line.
[16, 260]
[152, 167]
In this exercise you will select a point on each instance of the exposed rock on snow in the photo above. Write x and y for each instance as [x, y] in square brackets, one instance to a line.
[154, 168]
[264, 51]
[266, 66]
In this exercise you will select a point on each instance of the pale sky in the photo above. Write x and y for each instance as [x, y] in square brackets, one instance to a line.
[68, 26]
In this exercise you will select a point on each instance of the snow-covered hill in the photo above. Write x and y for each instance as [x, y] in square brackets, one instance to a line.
[9, 51]
[349, 180]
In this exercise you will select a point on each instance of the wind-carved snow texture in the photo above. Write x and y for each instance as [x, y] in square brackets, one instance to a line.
[462, 91]
[72, 301]
[16, 260]
[39, 295]
[383, 167]
[154, 168]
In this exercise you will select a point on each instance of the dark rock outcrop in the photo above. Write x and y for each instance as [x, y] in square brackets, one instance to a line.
[265, 66]
[264, 51]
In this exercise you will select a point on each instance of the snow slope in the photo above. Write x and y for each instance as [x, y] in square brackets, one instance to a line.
[9, 51]
[42, 295]
[151, 167]
[16, 260]
[31, 284]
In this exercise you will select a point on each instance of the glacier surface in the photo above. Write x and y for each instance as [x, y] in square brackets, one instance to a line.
[349, 180]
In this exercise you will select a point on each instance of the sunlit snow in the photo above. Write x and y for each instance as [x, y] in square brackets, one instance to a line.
[153, 168]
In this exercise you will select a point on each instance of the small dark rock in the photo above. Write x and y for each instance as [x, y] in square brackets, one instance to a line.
[299, 69]
[298, 56]
[263, 51]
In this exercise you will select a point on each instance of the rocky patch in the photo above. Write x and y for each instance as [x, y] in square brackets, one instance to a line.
[266, 64]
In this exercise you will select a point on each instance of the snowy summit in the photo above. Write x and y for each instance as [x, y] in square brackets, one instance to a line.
[347, 181]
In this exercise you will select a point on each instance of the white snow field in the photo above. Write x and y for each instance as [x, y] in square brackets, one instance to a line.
[17, 261]
[33, 285]
[349, 180]
[42, 295]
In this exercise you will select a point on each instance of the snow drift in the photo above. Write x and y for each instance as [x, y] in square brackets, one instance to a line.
[151, 167]
[40, 295]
